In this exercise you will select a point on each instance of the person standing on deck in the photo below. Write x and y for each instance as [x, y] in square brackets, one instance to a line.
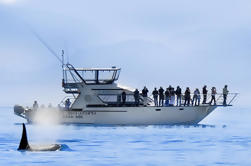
[204, 91]
[67, 104]
[187, 97]
[170, 88]
[172, 96]
[167, 94]
[35, 105]
[225, 93]
[178, 94]
[198, 98]
[144, 94]
[123, 97]
[136, 97]
[155, 96]
[161, 96]
[195, 94]
[213, 95]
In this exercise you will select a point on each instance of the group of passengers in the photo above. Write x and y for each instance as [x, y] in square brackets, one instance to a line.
[67, 105]
[166, 97]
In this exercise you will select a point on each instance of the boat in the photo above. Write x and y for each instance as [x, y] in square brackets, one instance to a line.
[95, 98]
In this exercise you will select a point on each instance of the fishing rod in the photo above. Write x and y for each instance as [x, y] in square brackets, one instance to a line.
[61, 60]
[48, 47]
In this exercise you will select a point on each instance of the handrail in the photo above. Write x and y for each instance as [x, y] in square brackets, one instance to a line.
[218, 96]
[235, 95]
[71, 67]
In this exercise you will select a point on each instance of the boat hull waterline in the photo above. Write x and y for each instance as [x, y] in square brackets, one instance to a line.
[188, 115]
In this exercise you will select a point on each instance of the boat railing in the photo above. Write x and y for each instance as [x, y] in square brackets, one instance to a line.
[218, 97]
[116, 99]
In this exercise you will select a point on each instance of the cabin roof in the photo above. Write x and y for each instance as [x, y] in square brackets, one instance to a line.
[97, 69]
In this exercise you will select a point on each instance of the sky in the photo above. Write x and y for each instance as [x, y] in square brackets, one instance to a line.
[155, 42]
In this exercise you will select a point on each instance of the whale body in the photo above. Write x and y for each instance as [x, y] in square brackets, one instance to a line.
[24, 145]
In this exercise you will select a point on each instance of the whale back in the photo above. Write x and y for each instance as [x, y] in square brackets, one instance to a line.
[24, 145]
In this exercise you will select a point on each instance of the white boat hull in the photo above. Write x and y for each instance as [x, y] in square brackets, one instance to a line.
[124, 115]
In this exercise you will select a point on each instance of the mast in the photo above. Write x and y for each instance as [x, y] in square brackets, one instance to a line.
[63, 68]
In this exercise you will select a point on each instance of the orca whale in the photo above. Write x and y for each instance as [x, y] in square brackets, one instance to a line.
[24, 145]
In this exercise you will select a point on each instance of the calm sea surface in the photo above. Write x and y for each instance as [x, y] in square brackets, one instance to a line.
[223, 138]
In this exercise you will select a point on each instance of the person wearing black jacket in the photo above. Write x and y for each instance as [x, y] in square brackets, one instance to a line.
[161, 96]
[178, 94]
[123, 97]
[187, 97]
[155, 96]
[144, 94]
[204, 92]
[136, 97]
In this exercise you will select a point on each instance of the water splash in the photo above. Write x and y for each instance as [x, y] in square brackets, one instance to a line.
[47, 116]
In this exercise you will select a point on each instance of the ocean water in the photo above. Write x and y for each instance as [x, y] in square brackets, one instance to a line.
[223, 138]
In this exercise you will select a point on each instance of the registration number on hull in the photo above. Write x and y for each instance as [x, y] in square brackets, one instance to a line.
[79, 114]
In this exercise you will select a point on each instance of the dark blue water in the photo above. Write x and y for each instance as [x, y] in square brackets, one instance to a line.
[223, 138]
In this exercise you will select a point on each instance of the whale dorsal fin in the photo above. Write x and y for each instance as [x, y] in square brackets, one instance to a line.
[24, 145]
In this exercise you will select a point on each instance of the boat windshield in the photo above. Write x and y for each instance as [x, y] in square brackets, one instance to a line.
[97, 75]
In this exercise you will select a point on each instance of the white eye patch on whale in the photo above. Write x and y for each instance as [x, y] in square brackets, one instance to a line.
[25, 146]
